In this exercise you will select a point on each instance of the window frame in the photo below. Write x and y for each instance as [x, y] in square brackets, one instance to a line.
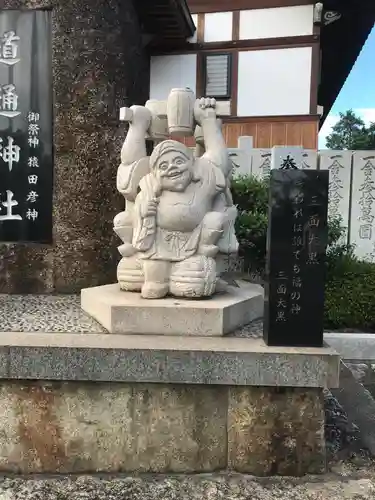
[229, 56]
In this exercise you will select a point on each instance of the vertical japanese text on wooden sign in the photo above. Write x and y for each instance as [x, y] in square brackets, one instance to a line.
[26, 161]
[296, 247]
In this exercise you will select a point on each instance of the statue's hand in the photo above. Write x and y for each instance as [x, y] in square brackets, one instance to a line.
[204, 108]
[149, 209]
[141, 117]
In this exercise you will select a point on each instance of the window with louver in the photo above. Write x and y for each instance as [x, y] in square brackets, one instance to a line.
[217, 76]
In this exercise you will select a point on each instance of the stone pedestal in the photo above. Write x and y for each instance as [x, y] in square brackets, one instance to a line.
[85, 427]
[127, 313]
[115, 403]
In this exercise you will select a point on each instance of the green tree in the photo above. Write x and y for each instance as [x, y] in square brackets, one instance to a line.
[371, 136]
[350, 132]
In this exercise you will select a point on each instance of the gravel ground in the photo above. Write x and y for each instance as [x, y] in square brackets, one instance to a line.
[45, 313]
[63, 313]
[348, 481]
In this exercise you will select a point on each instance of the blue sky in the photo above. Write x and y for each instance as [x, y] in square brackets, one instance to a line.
[358, 93]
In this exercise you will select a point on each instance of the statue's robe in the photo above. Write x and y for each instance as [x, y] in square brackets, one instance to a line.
[158, 243]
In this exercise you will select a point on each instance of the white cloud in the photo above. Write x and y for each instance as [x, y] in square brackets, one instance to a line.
[330, 121]
[367, 115]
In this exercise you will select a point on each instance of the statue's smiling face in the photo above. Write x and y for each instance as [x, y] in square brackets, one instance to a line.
[175, 171]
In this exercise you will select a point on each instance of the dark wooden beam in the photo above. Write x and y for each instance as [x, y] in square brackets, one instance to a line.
[234, 68]
[197, 6]
[315, 72]
[284, 118]
[235, 45]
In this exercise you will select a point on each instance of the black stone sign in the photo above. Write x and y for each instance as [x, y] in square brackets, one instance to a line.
[296, 250]
[26, 162]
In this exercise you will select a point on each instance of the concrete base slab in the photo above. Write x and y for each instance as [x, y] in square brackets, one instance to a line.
[353, 346]
[127, 313]
[164, 360]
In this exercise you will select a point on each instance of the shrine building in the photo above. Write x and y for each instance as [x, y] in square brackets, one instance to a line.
[278, 64]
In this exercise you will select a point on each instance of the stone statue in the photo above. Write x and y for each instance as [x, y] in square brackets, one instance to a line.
[179, 217]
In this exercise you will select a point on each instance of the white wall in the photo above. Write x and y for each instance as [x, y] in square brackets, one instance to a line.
[218, 27]
[168, 72]
[193, 39]
[278, 22]
[274, 82]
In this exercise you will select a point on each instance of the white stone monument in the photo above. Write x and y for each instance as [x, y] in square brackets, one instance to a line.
[339, 164]
[362, 224]
[177, 228]
[293, 157]
[241, 156]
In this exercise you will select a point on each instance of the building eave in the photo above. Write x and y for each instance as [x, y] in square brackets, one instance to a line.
[165, 20]
[341, 44]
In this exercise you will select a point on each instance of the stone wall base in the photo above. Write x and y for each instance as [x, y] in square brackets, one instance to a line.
[83, 427]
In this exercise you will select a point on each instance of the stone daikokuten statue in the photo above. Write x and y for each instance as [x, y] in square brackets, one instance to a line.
[179, 218]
